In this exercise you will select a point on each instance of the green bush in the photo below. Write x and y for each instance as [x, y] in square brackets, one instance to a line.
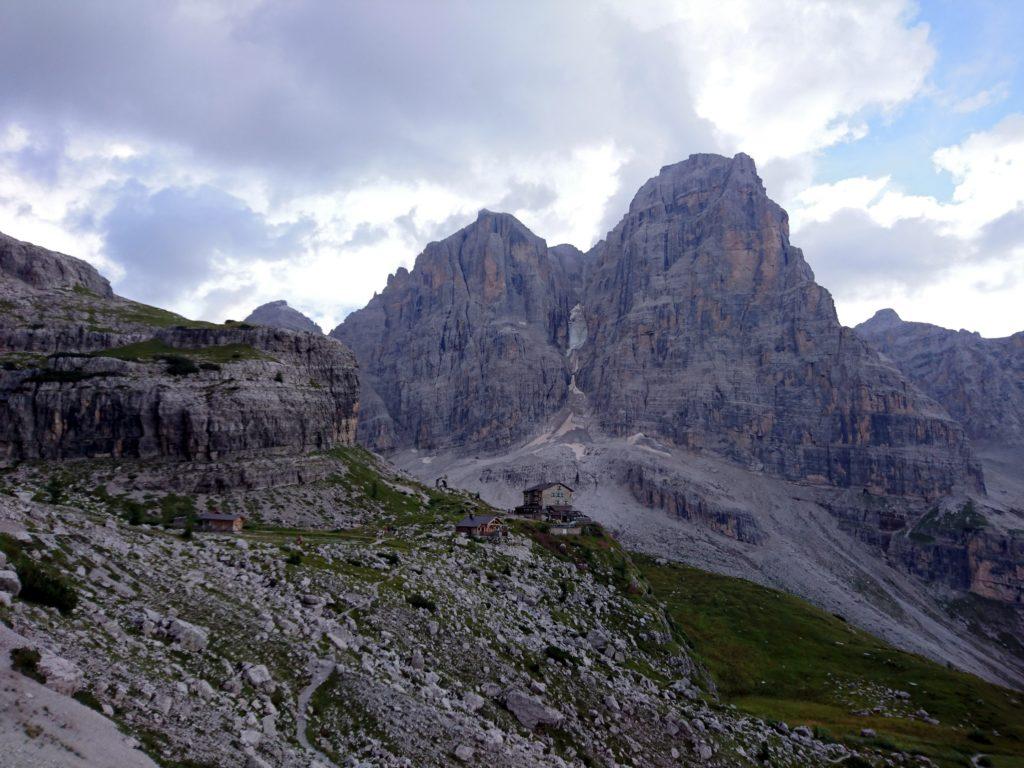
[54, 490]
[45, 586]
[26, 661]
[88, 698]
[178, 365]
[558, 654]
[135, 512]
[416, 600]
[294, 557]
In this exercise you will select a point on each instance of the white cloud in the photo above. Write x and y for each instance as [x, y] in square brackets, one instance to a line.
[984, 98]
[352, 119]
[988, 168]
[781, 79]
[961, 260]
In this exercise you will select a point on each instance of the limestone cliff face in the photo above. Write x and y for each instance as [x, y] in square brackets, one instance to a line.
[695, 320]
[466, 349]
[979, 381]
[706, 327]
[85, 374]
[277, 314]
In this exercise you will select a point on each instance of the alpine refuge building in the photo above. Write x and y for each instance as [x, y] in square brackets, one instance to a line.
[548, 501]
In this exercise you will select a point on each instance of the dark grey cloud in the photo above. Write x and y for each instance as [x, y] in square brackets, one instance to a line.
[172, 239]
[367, 234]
[319, 92]
[998, 238]
[317, 97]
[854, 256]
[525, 195]
[420, 234]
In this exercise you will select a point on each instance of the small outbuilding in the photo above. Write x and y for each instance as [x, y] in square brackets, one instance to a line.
[219, 522]
[480, 526]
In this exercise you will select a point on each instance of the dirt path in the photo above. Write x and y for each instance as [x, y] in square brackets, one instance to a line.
[323, 670]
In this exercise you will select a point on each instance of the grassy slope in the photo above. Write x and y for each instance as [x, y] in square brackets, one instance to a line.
[779, 657]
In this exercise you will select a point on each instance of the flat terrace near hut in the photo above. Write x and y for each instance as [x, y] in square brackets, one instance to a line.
[480, 526]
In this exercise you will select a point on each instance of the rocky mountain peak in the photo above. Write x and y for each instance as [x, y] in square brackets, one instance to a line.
[882, 319]
[277, 314]
[692, 185]
[43, 269]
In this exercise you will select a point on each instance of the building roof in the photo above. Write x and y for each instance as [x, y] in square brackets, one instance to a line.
[545, 486]
[473, 522]
[218, 516]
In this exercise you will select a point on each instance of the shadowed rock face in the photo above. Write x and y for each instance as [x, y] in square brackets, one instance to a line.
[979, 381]
[88, 374]
[466, 350]
[277, 314]
[695, 320]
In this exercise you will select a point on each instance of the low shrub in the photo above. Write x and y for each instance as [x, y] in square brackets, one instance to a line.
[558, 654]
[43, 585]
[88, 698]
[26, 661]
[178, 365]
[416, 600]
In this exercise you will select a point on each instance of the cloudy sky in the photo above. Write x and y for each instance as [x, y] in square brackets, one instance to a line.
[209, 157]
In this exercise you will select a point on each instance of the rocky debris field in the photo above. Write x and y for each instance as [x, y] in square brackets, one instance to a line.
[394, 643]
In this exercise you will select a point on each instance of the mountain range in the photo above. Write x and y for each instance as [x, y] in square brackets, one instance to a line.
[686, 376]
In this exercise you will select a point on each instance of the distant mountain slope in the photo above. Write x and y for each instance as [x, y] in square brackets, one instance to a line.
[979, 381]
[277, 314]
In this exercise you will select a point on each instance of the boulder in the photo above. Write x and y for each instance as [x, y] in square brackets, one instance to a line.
[189, 637]
[10, 583]
[60, 674]
[531, 712]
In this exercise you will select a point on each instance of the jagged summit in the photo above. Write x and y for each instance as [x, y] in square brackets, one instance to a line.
[277, 314]
[492, 289]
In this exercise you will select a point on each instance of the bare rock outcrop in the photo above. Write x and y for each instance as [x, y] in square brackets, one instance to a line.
[48, 270]
[694, 321]
[84, 373]
[979, 381]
